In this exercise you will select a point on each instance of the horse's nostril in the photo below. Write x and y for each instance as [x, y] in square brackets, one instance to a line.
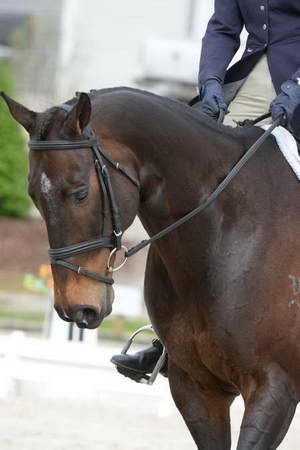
[80, 319]
[85, 316]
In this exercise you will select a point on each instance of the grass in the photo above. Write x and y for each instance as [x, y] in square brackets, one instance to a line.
[13, 316]
[12, 281]
[129, 326]
[112, 326]
[22, 315]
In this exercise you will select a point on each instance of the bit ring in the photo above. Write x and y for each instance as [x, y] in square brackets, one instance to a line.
[112, 253]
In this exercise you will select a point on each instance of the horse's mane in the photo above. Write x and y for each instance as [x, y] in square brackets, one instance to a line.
[194, 114]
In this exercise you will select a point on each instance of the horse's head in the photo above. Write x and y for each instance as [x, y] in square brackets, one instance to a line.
[71, 189]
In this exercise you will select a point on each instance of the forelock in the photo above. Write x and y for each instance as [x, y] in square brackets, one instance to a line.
[44, 121]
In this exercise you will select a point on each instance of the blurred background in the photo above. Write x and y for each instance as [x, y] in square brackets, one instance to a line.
[57, 387]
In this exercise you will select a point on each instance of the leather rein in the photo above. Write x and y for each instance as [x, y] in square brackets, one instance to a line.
[114, 242]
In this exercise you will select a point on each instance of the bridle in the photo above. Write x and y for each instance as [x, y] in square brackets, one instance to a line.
[113, 242]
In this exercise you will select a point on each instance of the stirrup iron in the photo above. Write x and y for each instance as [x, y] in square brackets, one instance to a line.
[146, 379]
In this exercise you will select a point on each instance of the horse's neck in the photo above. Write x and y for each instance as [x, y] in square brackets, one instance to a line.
[181, 172]
[181, 156]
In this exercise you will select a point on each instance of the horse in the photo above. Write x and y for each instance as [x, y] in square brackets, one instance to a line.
[222, 291]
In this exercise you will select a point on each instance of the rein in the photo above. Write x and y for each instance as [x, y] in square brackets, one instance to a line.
[58, 255]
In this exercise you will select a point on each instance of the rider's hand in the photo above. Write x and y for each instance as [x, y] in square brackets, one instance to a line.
[212, 99]
[284, 105]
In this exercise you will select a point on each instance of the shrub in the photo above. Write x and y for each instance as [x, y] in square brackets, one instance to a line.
[14, 200]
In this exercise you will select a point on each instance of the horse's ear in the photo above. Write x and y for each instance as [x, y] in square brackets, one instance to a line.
[20, 113]
[80, 115]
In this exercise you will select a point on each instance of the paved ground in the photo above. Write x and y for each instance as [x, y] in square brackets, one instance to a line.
[120, 424]
[69, 398]
[55, 425]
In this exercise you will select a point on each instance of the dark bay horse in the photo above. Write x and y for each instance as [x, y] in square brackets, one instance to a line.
[222, 291]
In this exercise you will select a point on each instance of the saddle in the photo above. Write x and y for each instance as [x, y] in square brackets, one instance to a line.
[295, 131]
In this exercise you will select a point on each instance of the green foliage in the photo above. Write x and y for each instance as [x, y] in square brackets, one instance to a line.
[14, 200]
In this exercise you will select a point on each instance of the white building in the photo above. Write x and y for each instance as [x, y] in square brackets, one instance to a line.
[114, 43]
[78, 45]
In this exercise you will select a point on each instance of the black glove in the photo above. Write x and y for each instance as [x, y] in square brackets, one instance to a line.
[211, 96]
[286, 102]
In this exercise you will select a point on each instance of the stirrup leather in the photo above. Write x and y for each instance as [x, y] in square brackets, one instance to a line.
[143, 378]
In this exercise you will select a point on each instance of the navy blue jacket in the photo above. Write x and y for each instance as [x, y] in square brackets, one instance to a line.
[273, 27]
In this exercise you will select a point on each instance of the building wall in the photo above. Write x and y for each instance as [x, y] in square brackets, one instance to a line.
[27, 6]
[102, 40]
[80, 45]
[203, 10]
[36, 48]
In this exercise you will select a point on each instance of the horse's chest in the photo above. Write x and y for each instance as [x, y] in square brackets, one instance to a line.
[201, 354]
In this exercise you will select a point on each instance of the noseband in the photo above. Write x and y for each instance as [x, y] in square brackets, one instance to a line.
[114, 242]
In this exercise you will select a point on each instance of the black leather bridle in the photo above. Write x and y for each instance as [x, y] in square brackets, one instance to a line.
[114, 242]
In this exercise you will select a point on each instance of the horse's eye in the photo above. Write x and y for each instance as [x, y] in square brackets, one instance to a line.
[81, 195]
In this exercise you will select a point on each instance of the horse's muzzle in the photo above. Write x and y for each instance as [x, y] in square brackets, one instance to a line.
[85, 316]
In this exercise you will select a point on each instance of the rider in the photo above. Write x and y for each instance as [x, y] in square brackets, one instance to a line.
[267, 78]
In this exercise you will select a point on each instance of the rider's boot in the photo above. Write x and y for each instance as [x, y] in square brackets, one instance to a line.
[138, 365]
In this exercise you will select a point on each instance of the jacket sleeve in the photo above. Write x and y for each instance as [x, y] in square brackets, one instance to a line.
[221, 40]
[296, 76]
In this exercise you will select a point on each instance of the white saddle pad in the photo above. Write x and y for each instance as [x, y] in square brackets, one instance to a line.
[288, 147]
